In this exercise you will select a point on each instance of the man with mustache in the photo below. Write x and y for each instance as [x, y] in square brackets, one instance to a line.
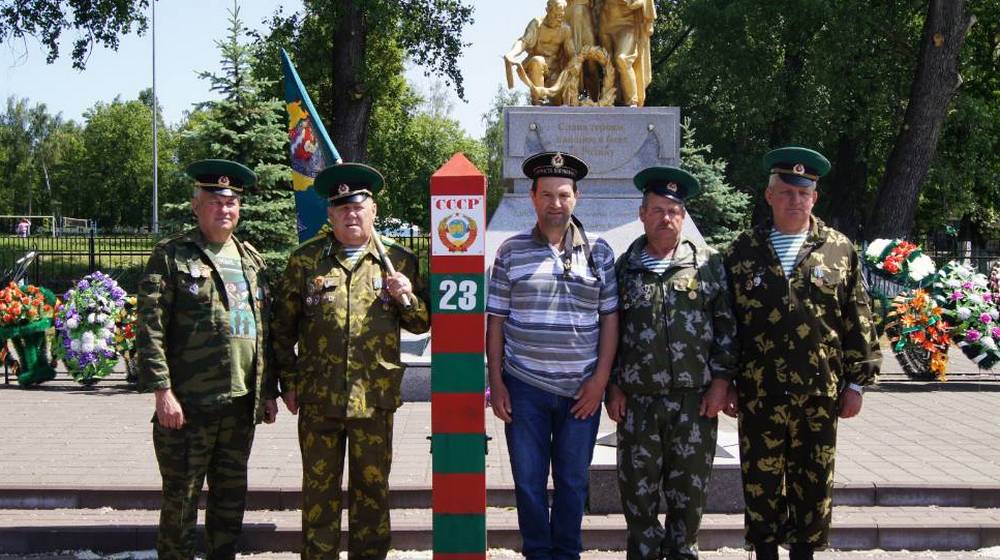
[807, 350]
[676, 359]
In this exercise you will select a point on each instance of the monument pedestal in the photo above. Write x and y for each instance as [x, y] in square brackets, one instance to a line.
[616, 143]
[725, 489]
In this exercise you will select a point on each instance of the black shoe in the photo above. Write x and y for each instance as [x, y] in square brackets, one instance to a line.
[800, 551]
[766, 551]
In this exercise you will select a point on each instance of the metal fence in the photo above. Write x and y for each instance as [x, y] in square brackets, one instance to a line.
[61, 261]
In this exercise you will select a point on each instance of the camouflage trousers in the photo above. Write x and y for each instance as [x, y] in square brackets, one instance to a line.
[787, 448]
[664, 445]
[213, 444]
[323, 441]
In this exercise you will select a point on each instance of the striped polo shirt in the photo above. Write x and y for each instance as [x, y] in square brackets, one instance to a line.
[552, 318]
[787, 247]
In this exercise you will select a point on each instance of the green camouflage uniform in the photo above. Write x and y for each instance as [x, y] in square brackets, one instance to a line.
[183, 344]
[347, 377]
[678, 333]
[803, 339]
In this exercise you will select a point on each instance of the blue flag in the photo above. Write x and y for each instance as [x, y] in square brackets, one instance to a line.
[310, 152]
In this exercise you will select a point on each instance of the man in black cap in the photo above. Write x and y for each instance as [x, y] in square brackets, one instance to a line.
[807, 350]
[552, 330]
[342, 305]
[676, 360]
[203, 303]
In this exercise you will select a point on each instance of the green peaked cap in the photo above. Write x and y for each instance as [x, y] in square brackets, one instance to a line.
[671, 182]
[796, 165]
[348, 182]
[221, 176]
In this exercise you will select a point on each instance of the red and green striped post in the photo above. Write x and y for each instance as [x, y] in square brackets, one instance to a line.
[458, 302]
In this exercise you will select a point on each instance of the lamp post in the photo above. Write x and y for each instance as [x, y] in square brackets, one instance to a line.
[156, 191]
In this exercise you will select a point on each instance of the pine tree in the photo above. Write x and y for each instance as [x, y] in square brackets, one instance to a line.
[720, 211]
[247, 126]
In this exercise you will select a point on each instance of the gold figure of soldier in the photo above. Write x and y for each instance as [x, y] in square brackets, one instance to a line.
[625, 28]
[548, 44]
[565, 48]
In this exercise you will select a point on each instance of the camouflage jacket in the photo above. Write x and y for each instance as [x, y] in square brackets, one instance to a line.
[346, 326]
[811, 333]
[183, 312]
[677, 328]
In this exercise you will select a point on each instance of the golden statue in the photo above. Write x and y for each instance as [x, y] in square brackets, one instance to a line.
[625, 28]
[562, 55]
[580, 18]
[548, 44]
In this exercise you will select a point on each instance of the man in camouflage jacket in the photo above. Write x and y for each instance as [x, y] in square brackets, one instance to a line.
[676, 359]
[203, 349]
[344, 311]
[807, 350]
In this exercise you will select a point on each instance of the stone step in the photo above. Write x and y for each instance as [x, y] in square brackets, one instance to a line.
[499, 496]
[855, 528]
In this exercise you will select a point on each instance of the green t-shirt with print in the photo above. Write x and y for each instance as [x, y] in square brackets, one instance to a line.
[242, 326]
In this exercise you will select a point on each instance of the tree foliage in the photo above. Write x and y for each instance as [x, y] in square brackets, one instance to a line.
[246, 125]
[348, 53]
[833, 75]
[721, 211]
[100, 22]
[493, 142]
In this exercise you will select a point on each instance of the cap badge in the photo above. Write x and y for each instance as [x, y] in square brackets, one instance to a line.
[799, 169]
[672, 187]
[557, 160]
[223, 181]
[343, 189]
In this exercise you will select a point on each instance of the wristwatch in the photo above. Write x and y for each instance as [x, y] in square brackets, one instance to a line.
[856, 387]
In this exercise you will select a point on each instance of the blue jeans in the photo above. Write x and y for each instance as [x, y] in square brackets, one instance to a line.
[543, 433]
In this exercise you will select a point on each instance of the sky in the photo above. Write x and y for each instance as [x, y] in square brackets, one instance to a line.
[186, 31]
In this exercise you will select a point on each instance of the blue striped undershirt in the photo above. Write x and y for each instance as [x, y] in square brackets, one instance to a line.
[658, 266]
[787, 247]
[353, 254]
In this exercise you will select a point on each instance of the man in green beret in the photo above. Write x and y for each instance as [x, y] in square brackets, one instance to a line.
[807, 350]
[342, 302]
[676, 359]
[203, 344]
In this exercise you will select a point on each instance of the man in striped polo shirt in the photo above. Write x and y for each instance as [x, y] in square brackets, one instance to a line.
[551, 335]
[807, 350]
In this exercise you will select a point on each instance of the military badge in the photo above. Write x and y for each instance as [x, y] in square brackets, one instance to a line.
[193, 288]
[223, 181]
[799, 169]
[316, 285]
[819, 277]
[557, 160]
[195, 270]
[343, 189]
[692, 295]
[672, 187]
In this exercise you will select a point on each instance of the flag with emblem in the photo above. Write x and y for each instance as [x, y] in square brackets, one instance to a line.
[310, 149]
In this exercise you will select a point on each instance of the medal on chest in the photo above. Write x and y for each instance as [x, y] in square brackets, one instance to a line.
[818, 276]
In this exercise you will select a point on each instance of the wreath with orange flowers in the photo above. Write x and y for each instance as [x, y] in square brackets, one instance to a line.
[919, 335]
